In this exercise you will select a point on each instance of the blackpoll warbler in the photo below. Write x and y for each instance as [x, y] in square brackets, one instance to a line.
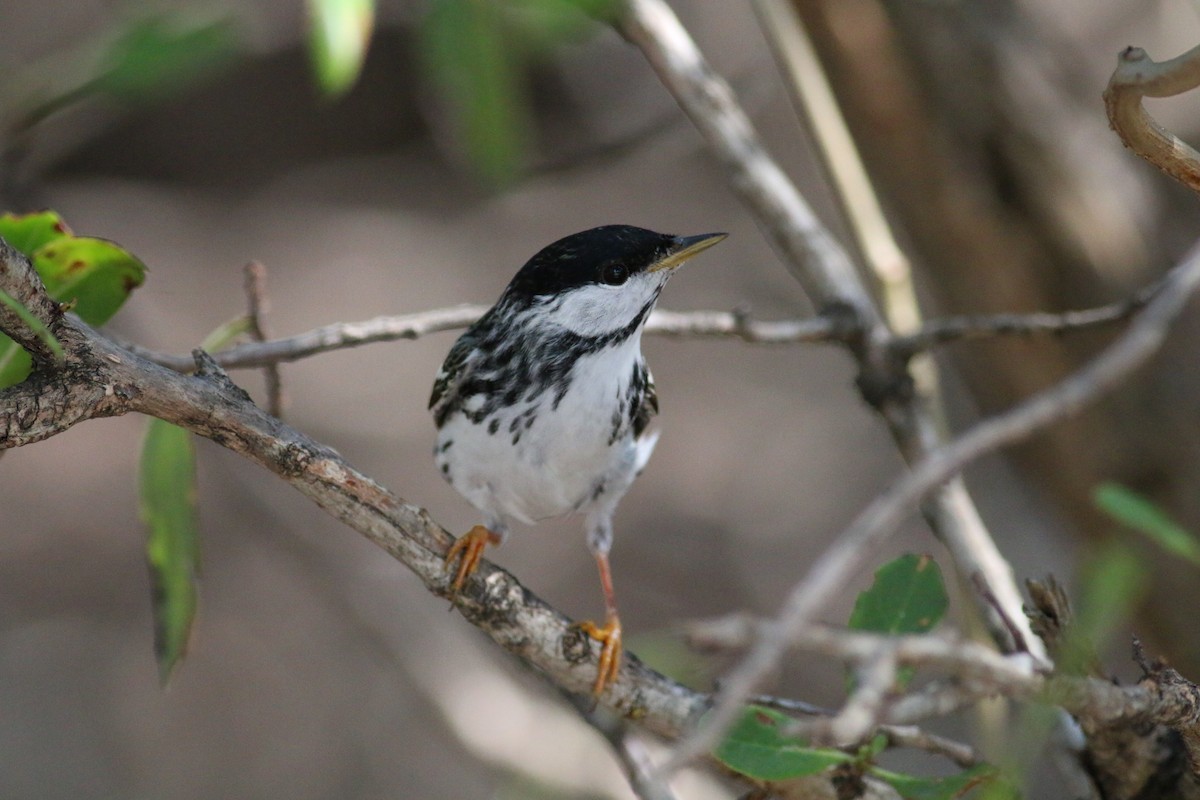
[542, 405]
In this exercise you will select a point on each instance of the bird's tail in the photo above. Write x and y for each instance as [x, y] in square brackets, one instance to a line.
[645, 446]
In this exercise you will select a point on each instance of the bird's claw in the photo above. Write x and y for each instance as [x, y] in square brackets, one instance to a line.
[611, 651]
[469, 548]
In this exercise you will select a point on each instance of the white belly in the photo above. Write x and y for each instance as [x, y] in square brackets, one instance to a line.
[561, 458]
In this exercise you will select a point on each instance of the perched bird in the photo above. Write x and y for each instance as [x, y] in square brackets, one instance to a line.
[542, 405]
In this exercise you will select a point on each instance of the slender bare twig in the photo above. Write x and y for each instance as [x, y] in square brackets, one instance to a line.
[736, 324]
[836, 565]
[338, 336]
[983, 326]
[913, 737]
[258, 306]
[789, 704]
[342, 335]
[863, 711]
[966, 659]
[932, 701]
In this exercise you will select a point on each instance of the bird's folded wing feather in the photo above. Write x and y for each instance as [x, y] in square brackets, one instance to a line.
[648, 408]
[454, 371]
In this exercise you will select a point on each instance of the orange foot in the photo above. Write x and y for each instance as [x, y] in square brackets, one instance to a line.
[470, 546]
[610, 652]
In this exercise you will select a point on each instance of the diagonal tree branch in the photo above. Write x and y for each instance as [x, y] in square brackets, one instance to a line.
[101, 379]
[829, 573]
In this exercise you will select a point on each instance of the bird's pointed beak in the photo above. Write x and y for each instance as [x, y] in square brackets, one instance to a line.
[684, 247]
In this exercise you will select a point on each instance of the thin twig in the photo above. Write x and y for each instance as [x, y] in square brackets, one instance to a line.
[738, 325]
[1020, 645]
[789, 704]
[932, 701]
[967, 328]
[863, 711]
[337, 336]
[343, 335]
[913, 737]
[835, 566]
[258, 306]
[964, 658]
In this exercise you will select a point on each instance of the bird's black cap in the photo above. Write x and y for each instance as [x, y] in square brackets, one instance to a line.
[581, 258]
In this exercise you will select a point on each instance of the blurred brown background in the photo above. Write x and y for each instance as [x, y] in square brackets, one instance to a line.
[319, 668]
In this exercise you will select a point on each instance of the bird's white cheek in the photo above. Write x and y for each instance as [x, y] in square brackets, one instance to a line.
[597, 310]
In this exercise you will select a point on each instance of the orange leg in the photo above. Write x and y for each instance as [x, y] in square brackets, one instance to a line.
[470, 547]
[609, 635]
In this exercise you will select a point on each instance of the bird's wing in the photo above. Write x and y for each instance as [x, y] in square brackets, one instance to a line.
[647, 405]
[454, 371]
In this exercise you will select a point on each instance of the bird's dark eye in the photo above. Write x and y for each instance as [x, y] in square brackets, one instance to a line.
[614, 274]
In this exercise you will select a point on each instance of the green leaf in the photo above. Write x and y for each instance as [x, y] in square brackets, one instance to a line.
[913, 787]
[339, 32]
[755, 747]
[15, 363]
[1138, 513]
[471, 57]
[159, 55]
[94, 274]
[168, 508]
[28, 232]
[908, 596]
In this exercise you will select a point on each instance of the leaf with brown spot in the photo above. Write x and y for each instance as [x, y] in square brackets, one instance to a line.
[908, 596]
[93, 277]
